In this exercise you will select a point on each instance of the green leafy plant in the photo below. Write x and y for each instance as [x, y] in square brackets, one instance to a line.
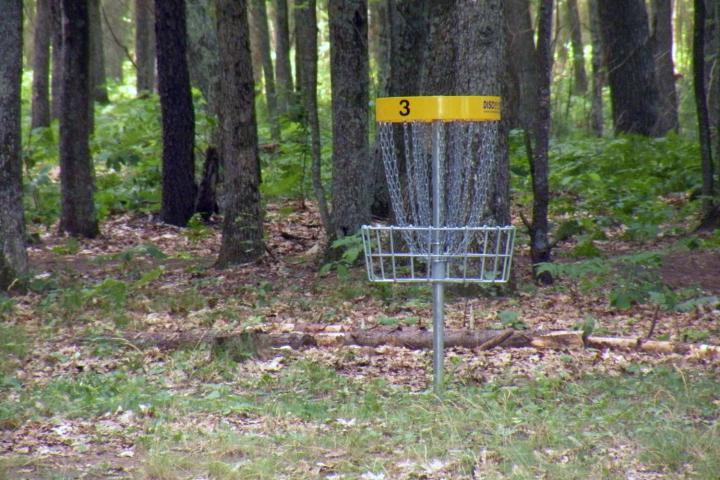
[511, 319]
[351, 247]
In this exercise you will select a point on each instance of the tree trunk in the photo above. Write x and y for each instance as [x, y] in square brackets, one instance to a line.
[540, 248]
[204, 64]
[40, 116]
[77, 175]
[242, 238]
[283, 70]
[710, 211]
[631, 67]
[115, 36]
[178, 119]
[349, 73]
[307, 58]
[56, 44]
[97, 53]
[407, 24]
[531, 71]
[597, 122]
[662, 41]
[379, 32]
[145, 45]
[13, 256]
[573, 18]
[259, 13]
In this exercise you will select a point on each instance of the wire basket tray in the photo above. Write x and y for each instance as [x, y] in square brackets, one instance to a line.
[466, 254]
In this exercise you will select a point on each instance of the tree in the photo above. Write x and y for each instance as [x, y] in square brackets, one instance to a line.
[178, 119]
[40, 116]
[77, 175]
[204, 65]
[242, 238]
[283, 70]
[662, 42]
[145, 45]
[710, 210]
[573, 17]
[532, 72]
[307, 57]
[596, 111]
[350, 81]
[259, 13]
[13, 256]
[97, 53]
[56, 43]
[631, 67]
[115, 36]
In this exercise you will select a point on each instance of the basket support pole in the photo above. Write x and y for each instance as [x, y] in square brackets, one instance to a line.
[438, 265]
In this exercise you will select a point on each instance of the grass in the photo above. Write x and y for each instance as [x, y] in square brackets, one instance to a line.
[308, 421]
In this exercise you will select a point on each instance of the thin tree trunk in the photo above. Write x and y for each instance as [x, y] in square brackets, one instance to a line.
[13, 256]
[97, 53]
[379, 32]
[710, 212]
[40, 116]
[662, 41]
[178, 119]
[631, 67]
[531, 70]
[115, 36]
[259, 12]
[282, 57]
[349, 73]
[297, 6]
[307, 57]
[573, 16]
[597, 123]
[242, 238]
[77, 175]
[540, 248]
[145, 45]
[56, 43]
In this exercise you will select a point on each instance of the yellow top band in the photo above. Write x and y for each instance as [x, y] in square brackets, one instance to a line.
[446, 108]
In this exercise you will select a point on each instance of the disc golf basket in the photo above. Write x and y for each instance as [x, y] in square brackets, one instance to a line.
[439, 159]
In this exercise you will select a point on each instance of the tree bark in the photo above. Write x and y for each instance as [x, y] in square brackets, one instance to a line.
[597, 122]
[115, 36]
[13, 256]
[40, 115]
[242, 238]
[97, 53]
[631, 67]
[379, 32]
[662, 41]
[307, 58]
[540, 248]
[56, 44]
[77, 174]
[531, 70]
[349, 73]
[145, 45]
[259, 13]
[178, 119]
[283, 70]
[573, 18]
[710, 211]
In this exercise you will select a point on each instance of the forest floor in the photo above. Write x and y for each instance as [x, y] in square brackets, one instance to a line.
[78, 399]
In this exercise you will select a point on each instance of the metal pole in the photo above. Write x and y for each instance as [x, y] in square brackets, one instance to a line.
[438, 265]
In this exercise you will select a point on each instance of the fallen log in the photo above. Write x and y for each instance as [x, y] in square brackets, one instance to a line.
[249, 344]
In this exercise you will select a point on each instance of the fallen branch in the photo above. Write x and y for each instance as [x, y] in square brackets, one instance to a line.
[257, 344]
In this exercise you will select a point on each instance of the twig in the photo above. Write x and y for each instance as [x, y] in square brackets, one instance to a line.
[656, 314]
[117, 41]
[497, 340]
